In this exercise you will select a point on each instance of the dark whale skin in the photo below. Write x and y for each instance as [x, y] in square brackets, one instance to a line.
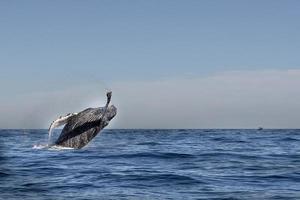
[83, 127]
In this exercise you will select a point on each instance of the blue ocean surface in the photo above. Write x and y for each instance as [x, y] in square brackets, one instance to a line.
[153, 164]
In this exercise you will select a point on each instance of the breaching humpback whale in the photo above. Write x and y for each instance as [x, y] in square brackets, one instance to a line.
[80, 128]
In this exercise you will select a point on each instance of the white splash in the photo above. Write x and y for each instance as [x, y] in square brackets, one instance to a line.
[56, 147]
[40, 146]
[50, 147]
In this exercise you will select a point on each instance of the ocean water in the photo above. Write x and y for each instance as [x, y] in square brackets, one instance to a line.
[153, 164]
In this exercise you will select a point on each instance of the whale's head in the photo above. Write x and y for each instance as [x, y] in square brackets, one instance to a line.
[111, 112]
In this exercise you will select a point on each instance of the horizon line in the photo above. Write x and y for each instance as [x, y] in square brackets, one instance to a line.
[163, 128]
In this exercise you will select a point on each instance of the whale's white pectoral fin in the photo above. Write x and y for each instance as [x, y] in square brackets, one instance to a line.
[59, 122]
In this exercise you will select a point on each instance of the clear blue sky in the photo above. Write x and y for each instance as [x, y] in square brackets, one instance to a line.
[145, 39]
[47, 43]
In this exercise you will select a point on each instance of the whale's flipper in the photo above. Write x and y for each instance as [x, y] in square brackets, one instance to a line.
[59, 122]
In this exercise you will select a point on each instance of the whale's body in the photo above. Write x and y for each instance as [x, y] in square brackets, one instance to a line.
[80, 128]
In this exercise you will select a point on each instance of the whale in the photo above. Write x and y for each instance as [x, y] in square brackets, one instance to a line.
[80, 128]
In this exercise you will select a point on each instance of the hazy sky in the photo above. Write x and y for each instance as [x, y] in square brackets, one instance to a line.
[170, 64]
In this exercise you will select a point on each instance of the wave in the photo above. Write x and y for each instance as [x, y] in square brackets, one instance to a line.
[160, 178]
[148, 143]
[289, 139]
[3, 174]
[154, 155]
